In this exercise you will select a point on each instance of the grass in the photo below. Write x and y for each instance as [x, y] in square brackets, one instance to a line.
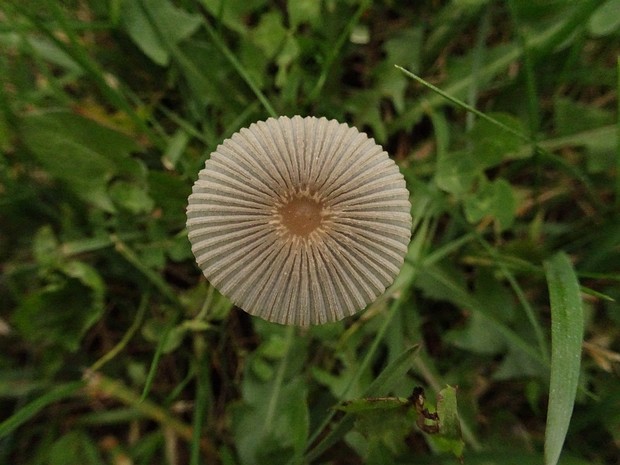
[503, 117]
[566, 340]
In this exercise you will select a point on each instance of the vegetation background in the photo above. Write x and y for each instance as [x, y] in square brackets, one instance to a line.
[114, 349]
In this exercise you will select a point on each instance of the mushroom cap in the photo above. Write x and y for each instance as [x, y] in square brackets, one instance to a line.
[300, 220]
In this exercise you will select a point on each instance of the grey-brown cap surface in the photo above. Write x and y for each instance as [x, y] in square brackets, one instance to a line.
[300, 220]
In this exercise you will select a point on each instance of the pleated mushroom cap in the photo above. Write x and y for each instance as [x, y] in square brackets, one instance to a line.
[300, 220]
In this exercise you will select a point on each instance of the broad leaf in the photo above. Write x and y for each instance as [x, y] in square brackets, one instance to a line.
[155, 25]
[456, 172]
[449, 437]
[80, 153]
[494, 199]
[492, 145]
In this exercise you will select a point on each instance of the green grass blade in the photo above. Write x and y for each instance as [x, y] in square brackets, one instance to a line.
[520, 293]
[155, 362]
[154, 277]
[393, 373]
[118, 348]
[463, 105]
[335, 50]
[31, 409]
[100, 385]
[200, 408]
[232, 59]
[477, 62]
[533, 105]
[279, 381]
[566, 337]
[469, 301]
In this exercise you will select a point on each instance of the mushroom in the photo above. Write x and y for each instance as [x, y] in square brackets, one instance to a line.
[300, 220]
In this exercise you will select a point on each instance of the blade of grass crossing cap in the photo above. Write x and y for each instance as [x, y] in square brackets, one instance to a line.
[566, 338]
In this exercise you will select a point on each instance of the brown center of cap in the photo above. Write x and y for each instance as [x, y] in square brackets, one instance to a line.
[301, 215]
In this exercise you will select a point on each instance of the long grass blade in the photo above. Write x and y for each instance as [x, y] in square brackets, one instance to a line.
[464, 105]
[155, 362]
[546, 156]
[567, 327]
[118, 348]
[336, 49]
[232, 59]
